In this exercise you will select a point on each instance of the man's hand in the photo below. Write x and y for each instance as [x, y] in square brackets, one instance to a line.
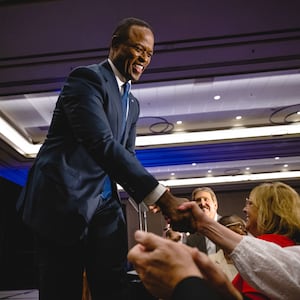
[198, 218]
[179, 220]
[215, 276]
[161, 264]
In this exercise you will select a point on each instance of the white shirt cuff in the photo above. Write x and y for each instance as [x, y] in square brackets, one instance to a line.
[155, 195]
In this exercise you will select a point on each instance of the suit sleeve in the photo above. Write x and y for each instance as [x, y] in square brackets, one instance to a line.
[194, 288]
[89, 102]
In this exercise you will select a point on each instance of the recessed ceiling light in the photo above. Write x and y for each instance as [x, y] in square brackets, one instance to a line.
[29, 150]
[277, 157]
[285, 165]
[231, 179]
[194, 164]
[172, 174]
[179, 122]
[217, 97]
[238, 117]
[228, 179]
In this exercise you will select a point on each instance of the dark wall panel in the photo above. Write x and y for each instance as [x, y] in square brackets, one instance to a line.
[17, 266]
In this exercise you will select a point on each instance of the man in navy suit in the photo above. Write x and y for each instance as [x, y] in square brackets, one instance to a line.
[70, 199]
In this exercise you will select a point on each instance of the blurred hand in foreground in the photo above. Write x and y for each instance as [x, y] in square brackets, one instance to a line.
[162, 264]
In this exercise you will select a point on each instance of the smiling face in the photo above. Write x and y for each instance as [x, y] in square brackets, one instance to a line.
[132, 56]
[206, 203]
[251, 212]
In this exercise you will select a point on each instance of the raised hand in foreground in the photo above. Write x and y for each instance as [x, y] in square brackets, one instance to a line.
[163, 266]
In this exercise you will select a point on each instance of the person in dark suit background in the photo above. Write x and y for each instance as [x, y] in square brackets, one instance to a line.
[70, 199]
[207, 200]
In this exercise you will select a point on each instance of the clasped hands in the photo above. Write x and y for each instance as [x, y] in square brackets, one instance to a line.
[179, 220]
[162, 264]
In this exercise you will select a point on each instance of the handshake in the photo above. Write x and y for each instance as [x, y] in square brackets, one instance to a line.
[171, 270]
[179, 217]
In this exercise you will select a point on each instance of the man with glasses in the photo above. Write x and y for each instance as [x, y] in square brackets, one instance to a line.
[70, 199]
[235, 223]
[221, 258]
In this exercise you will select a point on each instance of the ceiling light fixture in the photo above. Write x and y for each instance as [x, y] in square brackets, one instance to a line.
[228, 179]
[16, 140]
[29, 150]
[232, 179]
[217, 135]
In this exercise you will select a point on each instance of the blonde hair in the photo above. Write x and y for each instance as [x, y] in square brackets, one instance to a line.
[278, 209]
[205, 189]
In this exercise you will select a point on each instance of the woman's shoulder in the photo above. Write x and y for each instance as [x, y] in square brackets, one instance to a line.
[278, 239]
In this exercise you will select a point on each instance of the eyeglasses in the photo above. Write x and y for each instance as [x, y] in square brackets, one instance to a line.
[140, 49]
[249, 202]
[168, 227]
[239, 224]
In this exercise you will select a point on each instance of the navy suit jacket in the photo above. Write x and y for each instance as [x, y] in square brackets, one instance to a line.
[84, 145]
[194, 288]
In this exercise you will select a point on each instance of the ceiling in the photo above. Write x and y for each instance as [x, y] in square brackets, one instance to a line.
[252, 63]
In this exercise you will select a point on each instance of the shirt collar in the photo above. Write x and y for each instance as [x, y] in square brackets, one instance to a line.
[119, 77]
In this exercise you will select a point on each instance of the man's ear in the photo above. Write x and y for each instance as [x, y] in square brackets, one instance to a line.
[216, 205]
[114, 41]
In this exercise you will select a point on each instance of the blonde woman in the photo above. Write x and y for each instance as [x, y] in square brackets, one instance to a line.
[272, 214]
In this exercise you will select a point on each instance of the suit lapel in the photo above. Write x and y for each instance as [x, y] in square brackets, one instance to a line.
[133, 109]
[114, 97]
